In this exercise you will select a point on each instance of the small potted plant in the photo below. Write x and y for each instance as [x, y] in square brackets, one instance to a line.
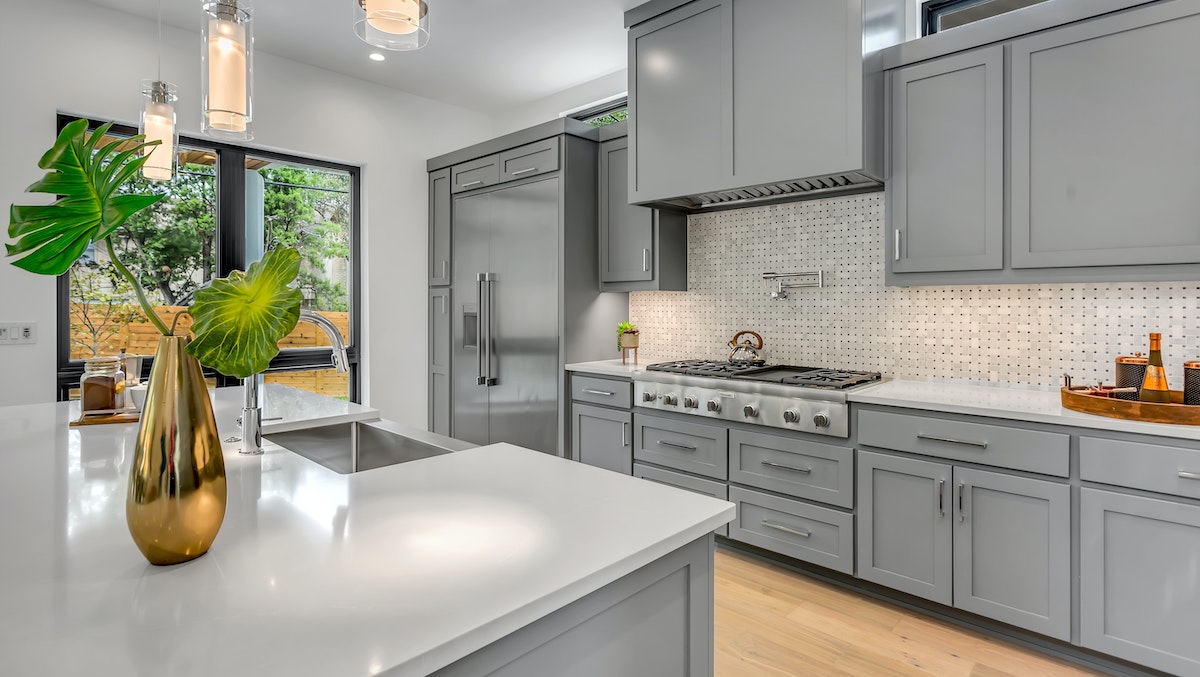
[627, 339]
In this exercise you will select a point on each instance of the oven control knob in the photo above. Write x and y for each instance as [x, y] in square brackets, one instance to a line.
[690, 402]
[714, 405]
[750, 411]
[791, 416]
[648, 396]
[670, 400]
[821, 420]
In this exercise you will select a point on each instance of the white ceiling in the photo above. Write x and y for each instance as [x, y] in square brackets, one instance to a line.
[487, 55]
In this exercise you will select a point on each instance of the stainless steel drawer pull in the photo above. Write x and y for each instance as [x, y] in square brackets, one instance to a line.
[781, 466]
[941, 498]
[1189, 475]
[962, 514]
[523, 171]
[969, 443]
[624, 434]
[472, 183]
[802, 533]
[676, 445]
[605, 393]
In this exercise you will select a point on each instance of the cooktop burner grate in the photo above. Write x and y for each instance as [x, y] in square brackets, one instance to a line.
[808, 377]
[715, 368]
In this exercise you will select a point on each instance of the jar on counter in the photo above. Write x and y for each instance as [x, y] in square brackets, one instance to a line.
[98, 387]
[1131, 370]
[1191, 382]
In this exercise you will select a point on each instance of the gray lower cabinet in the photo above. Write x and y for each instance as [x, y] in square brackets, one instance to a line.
[683, 445]
[602, 437]
[439, 228]
[439, 361]
[1104, 141]
[797, 467]
[641, 249]
[945, 198]
[1138, 590]
[993, 544]
[807, 532]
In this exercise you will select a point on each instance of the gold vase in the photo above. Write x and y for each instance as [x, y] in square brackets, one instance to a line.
[176, 499]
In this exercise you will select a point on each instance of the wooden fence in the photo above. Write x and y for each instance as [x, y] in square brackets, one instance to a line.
[141, 338]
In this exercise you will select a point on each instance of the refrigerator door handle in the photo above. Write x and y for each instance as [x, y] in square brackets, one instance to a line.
[481, 341]
[491, 379]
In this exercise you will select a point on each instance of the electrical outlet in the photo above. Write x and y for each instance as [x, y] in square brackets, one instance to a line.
[3, 332]
[24, 332]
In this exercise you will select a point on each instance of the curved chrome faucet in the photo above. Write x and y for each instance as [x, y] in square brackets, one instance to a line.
[251, 420]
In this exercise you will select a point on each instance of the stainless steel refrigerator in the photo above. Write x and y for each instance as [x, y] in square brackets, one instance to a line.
[526, 301]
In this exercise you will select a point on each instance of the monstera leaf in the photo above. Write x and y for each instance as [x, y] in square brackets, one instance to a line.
[51, 237]
[240, 319]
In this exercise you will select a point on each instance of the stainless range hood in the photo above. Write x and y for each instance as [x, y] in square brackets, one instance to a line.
[799, 116]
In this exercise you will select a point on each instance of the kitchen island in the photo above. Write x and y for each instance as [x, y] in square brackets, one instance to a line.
[455, 564]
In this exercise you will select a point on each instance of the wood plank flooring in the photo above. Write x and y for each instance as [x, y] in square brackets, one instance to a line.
[772, 622]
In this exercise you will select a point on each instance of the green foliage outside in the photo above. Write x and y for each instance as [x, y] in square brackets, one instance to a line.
[609, 118]
[102, 302]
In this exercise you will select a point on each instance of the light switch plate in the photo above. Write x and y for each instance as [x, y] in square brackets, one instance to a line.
[18, 333]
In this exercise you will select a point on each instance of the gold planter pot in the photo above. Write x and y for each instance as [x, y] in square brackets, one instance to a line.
[176, 499]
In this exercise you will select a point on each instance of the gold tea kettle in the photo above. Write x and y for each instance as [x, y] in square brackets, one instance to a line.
[745, 351]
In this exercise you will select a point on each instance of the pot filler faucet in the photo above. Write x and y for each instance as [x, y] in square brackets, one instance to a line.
[251, 420]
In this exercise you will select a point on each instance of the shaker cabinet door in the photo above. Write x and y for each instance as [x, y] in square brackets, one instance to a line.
[439, 228]
[439, 361]
[602, 437]
[626, 231]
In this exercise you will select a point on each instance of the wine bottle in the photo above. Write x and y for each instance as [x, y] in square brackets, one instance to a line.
[1154, 385]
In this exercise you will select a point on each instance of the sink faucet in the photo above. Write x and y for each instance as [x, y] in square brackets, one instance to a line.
[251, 420]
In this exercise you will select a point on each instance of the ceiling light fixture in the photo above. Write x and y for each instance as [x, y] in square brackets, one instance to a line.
[226, 69]
[157, 121]
[376, 56]
[397, 25]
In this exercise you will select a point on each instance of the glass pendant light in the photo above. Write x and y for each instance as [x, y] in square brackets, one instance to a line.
[157, 121]
[398, 25]
[226, 73]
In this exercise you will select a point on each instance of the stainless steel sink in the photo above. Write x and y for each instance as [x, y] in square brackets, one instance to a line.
[352, 447]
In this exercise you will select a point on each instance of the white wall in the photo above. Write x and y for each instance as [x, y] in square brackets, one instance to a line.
[549, 108]
[77, 57]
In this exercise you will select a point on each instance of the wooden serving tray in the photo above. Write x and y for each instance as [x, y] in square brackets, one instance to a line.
[1177, 412]
[129, 416]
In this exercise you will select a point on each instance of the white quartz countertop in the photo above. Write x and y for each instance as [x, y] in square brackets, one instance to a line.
[402, 570]
[1019, 403]
[608, 367]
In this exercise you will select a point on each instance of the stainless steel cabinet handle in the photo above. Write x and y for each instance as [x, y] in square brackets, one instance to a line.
[645, 260]
[941, 498]
[481, 334]
[471, 183]
[802, 533]
[676, 445]
[445, 269]
[1189, 475]
[970, 443]
[624, 434]
[523, 171]
[962, 515]
[598, 392]
[781, 466]
[896, 246]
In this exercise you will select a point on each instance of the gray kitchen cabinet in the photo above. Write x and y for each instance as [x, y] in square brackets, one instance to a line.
[439, 361]
[1139, 599]
[476, 174]
[945, 197]
[793, 466]
[439, 228]
[680, 70]
[1012, 550]
[641, 249]
[1104, 141]
[602, 437]
[800, 530]
[531, 159]
[904, 536]
[683, 445]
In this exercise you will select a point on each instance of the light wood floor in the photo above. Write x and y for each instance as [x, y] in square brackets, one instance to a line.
[774, 622]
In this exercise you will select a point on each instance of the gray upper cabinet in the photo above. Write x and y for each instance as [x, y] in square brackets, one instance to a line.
[1105, 141]
[529, 160]
[680, 68]
[946, 193]
[641, 249]
[1138, 594]
[439, 228]
[475, 174]
[439, 361]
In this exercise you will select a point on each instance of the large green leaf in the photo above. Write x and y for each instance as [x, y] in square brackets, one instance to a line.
[240, 319]
[51, 237]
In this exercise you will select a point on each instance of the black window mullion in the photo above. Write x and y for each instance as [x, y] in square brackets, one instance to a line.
[231, 211]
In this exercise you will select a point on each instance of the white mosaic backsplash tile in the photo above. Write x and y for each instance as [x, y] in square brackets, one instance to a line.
[1028, 334]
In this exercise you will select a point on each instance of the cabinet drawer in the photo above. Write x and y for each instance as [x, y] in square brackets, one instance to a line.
[601, 391]
[683, 445]
[688, 482]
[475, 174]
[807, 532]
[821, 472]
[1153, 467]
[529, 160]
[1001, 446]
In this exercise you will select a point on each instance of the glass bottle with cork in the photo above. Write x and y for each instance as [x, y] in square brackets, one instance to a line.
[1154, 385]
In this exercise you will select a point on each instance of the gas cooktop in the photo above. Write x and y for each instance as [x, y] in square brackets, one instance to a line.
[808, 377]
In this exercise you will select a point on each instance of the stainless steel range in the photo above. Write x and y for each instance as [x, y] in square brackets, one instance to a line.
[807, 399]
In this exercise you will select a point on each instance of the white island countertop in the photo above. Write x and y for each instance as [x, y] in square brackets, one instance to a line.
[399, 570]
[1021, 403]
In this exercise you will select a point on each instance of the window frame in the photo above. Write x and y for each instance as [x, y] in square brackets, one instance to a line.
[230, 255]
[932, 10]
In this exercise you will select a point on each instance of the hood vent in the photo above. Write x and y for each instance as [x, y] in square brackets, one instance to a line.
[786, 191]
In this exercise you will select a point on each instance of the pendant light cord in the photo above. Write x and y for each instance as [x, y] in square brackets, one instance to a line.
[160, 40]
